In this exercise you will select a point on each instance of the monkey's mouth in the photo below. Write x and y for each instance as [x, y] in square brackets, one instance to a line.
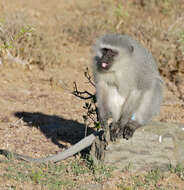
[104, 65]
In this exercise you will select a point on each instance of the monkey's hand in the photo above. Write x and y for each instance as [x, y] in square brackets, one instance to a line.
[118, 131]
[130, 128]
[115, 131]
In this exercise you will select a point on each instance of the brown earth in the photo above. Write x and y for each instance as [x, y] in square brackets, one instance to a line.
[32, 99]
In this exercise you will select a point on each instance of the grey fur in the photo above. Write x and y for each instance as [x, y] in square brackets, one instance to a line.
[84, 143]
[132, 85]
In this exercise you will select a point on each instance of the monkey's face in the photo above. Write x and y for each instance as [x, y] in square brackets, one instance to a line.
[105, 62]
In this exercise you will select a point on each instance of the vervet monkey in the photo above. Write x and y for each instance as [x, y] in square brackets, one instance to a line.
[128, 84]
[128, 89]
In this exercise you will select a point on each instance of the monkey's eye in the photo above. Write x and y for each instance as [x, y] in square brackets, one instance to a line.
[109, 51]
[104, 51]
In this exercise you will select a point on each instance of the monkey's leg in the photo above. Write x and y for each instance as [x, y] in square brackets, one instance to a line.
[126, 131]
[117, 129]
[103, 111]
[125, 127]
[103, 116]
[148, 107]
[105, 126]
[150, 104]
[130, 128]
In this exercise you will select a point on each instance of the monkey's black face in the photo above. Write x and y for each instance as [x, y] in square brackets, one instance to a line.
[105, 62]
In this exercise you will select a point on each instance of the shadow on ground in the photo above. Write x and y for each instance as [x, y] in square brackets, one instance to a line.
[54, 127]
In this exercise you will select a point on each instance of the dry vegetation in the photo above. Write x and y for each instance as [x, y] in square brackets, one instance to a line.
[44, 47]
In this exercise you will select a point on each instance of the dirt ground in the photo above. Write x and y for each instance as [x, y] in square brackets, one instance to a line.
[34, 98]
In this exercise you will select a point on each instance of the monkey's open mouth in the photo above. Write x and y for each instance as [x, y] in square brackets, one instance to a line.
[104, 65]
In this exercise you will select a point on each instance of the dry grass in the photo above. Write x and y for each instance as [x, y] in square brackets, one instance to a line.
[76, 174]
[157, 24]
[21, 42]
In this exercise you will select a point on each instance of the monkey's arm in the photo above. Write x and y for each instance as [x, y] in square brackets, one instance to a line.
[84, 143]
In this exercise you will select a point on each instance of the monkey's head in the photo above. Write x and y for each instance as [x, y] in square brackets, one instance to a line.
[106, 60]
[110, 49]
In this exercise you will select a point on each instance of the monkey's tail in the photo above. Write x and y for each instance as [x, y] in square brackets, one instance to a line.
[84, 143]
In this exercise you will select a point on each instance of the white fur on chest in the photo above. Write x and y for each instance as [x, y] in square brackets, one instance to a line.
[114, 102]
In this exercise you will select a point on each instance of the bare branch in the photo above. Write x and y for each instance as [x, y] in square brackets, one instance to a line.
[82, 94]
[88, 76]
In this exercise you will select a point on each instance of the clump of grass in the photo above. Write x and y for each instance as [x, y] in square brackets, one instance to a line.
[178, 170]
[64, 175]
[153, 180]
[21, 42]
[153, 176]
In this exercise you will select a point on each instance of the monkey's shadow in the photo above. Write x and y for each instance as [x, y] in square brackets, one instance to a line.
[54, 127]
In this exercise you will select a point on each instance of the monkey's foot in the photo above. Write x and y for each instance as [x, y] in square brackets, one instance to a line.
[116, 131]
[130, 128]
[128, 132]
